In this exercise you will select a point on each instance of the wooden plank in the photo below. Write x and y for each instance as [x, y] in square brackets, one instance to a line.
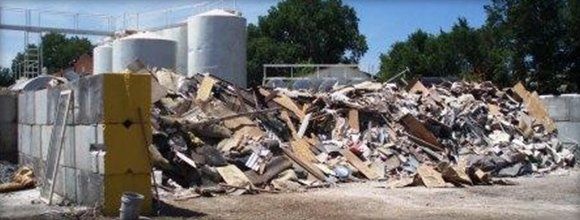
[285, 102]
[417, 129]
[204, 91]
[429, 177]
[305, 107]
[304, 125]
[302, 149]
[353, 120]
[233, 176]
[57, 140]
[286, 118]
[308, 166]
[358, 164]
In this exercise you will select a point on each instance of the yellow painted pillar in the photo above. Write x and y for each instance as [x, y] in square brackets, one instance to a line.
[127, 165]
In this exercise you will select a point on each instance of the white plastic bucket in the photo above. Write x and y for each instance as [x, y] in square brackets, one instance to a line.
[130, 205]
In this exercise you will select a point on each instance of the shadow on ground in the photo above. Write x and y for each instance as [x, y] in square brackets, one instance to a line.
[168, 210]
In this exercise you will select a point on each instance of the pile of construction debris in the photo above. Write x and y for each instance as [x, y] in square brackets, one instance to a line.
[23, 178]
[210, 134]
[6, 171]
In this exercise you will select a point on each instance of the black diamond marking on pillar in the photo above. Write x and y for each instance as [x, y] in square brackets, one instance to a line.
[127, 123]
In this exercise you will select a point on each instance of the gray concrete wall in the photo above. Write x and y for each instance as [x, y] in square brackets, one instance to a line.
[565, 111]
[8, 126]
[81, 167]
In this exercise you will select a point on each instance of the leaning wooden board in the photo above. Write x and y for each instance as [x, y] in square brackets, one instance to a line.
[358, 164]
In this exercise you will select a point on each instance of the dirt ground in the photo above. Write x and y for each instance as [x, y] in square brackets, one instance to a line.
[555, 196]
[549, 197]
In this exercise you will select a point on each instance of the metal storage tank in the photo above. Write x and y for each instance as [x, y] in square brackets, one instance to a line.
[179, 35]
[151, 49]
[103, 58]
[217, 44]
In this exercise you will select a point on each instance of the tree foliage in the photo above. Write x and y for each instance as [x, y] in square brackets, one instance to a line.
[6, 77]
[522, 40]
[297, 31]
[58, 51]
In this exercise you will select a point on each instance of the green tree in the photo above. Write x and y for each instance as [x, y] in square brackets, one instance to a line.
[58, 51]
[458, 52]
[297, 31]
[6, 77]
[522, 40]
[535, 32]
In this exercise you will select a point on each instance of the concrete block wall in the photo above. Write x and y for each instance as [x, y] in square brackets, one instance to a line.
[104, 152]
[565, 111]
[8, 126]
[37, 111]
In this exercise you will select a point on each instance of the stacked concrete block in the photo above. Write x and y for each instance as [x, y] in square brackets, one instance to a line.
[45, 135]
[104, 152]
[8, 126]
[565, 111]
[35, 147]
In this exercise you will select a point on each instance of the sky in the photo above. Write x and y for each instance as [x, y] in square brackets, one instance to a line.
[383, 22]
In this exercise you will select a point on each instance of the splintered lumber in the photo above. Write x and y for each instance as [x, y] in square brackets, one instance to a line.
[353, 121]
[285, 102]
[233, 176]
[302, 149]
[359, 165]
[417, 129]
[304, 125]
[309, 167]
[286, 118]
[204, 91]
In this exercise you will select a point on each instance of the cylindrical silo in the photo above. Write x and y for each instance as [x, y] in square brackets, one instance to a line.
[179, 35]
[217, 44]
[103, 58]
[151, 49]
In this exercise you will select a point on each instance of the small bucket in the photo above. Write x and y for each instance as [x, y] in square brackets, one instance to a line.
[130, 205]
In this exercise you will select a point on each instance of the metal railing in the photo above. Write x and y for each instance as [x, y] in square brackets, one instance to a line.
[290, 76]
[39, 21]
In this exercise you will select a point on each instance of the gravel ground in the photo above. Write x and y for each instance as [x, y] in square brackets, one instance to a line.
[550, 197]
